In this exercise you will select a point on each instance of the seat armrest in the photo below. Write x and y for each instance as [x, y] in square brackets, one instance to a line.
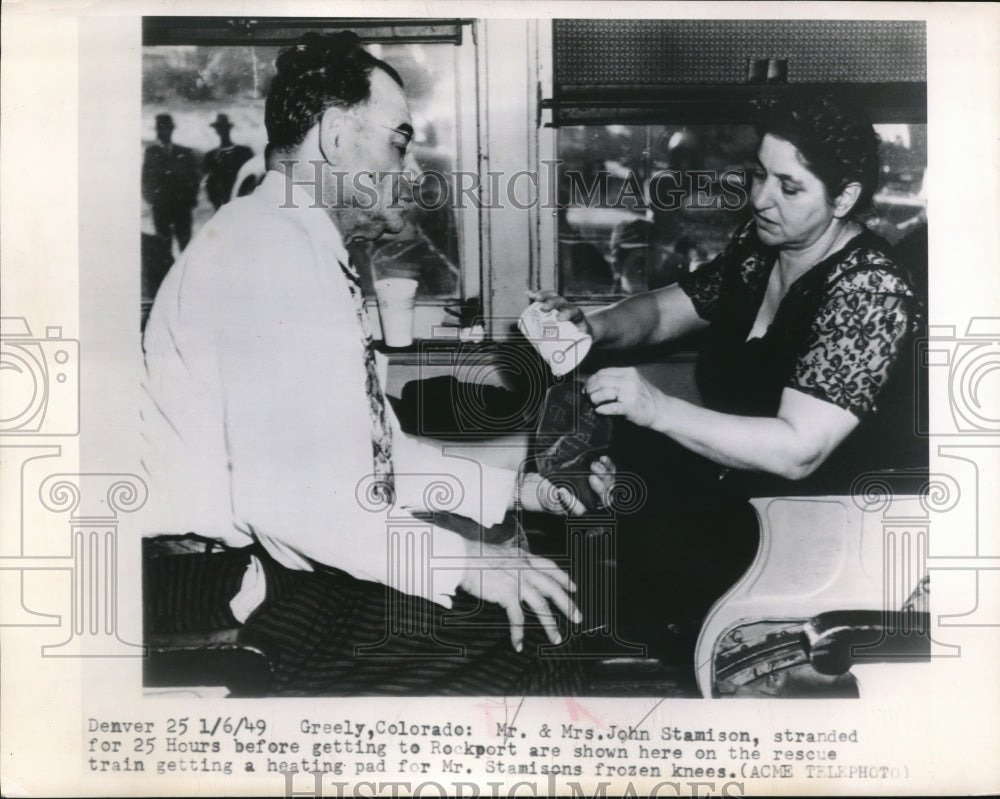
[842, 638]
[214, 657]
[825, 483]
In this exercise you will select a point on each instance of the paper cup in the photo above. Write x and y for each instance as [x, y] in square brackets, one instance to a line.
[561, 344]
[396, 300]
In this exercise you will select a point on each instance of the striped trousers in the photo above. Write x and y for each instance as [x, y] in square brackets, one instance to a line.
[329, 634]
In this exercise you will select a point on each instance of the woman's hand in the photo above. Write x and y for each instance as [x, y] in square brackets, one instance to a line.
[550, 300]
[624, 392]
[511, 578]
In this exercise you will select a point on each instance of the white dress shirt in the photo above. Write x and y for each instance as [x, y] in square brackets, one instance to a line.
[255, 414]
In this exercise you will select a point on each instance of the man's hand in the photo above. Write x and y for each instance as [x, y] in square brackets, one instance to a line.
[602, 479]
[511, 578]
[539, 495]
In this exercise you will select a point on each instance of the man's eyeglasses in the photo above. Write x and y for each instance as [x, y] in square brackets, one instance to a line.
[405, 130]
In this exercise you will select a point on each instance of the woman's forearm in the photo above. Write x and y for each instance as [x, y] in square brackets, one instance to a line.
[632, 322]
[765, 444]
[654, 317]
[791, 444]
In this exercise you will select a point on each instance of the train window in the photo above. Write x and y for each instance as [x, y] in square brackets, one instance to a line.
[428, 248]
[900, 203]
[640, 204]
[214, 93]
[644, 202]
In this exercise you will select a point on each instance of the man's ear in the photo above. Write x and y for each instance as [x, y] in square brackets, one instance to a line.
[844, 202]
[331, 134]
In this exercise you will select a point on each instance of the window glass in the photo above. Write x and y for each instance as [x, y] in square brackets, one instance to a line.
[641, 204]
[428, 248]
[900, 203]
[208, 89]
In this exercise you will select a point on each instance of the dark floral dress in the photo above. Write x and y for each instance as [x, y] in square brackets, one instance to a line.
[843, 333]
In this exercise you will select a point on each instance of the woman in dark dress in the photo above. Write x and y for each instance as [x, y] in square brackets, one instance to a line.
[807, 323]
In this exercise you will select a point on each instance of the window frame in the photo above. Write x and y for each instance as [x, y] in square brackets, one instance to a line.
[431, 319]
[890, 101]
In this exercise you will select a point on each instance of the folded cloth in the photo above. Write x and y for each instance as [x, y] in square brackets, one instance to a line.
[252, 593]
[571, 435]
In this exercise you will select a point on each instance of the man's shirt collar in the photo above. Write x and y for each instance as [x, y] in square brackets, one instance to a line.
[277, 189]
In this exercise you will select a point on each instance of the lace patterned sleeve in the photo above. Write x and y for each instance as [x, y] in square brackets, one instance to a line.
[855, 340]
[704, 285]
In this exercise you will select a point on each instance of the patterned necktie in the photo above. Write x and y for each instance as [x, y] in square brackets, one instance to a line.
[381, 431]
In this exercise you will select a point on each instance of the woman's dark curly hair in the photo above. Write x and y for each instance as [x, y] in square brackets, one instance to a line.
[317, 72]
[836, 140]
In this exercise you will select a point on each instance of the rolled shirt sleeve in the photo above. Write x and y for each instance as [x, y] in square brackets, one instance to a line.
[427, 479]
